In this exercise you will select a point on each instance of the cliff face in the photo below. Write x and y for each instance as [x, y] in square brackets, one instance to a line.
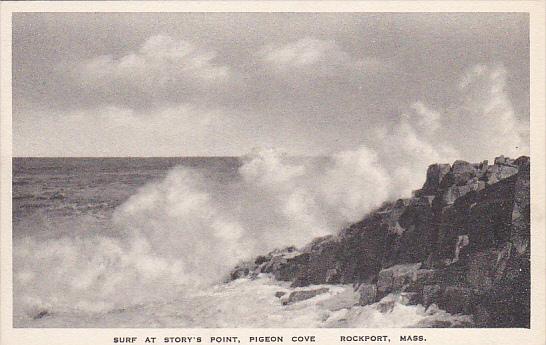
[462, 242]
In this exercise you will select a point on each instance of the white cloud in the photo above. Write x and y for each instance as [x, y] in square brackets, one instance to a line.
[160, 62]
[304, 52]
[310, 54]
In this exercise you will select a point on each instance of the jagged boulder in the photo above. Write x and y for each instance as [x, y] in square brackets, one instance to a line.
[286, 268]
[261, 259]
[421, 278]
[416, 241]
[242, 270]
[503, 168]
[521, 161]
[508, 302]
[501, 160]
[451, 220]
[456, 191]
[391, 216]
[489, 216]
[462, 172]
[481, 168]
[502, 276]
[395, 244]
[279, 294]
[431, 294]
[362, 248]
[367, 293]
[302, 295]
[322, 264]
[435, 175]
[486, 267]
[458, 300]
[396, 278]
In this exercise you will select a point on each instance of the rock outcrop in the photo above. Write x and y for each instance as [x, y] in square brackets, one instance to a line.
[302, 295]
[461, 242]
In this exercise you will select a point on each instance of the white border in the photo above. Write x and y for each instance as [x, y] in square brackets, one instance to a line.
[534, 336]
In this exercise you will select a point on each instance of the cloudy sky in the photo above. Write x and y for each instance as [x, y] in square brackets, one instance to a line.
[179, 84]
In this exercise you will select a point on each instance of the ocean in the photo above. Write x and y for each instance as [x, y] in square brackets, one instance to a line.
[149, 242]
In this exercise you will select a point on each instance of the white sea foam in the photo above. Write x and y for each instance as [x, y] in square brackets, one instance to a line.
[252, 303]
[187, 231]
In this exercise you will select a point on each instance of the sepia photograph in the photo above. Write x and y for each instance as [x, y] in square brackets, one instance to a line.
[274, 170]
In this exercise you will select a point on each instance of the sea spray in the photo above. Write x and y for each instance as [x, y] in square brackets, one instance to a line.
[186, 231]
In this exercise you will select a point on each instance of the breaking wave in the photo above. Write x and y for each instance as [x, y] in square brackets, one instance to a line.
[187, 231]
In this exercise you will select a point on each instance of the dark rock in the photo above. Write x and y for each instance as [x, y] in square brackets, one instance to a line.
[521, 215]
[499, 160]
[395, 278]
[291, 249]
[416, 240]
[456, 191]
[508, 303]
[281, 263]
[483, 269]
[496, 173]
[489, 217]
[435, 175]
[368, 294]
[394, 241]
[279, 294]
[302, 295]
[261, 259]
[451, 225]
[239, 272]
[481, 169]
[431, 294]
[521, 161]
[286, 268]
[41, 314]
[322, 265]
[458, 300]
[481, 316]
[503, 277]
[462, 172]
[503, 161]
[362, 248]
[391, 216]
[421, 278]
[438, 324]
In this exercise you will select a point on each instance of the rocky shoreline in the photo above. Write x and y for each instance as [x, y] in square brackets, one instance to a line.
[461, 242]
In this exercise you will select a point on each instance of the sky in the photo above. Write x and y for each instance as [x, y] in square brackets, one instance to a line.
[225, 84]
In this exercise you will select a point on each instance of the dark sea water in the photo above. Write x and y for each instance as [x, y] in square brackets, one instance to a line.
[52, 188]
